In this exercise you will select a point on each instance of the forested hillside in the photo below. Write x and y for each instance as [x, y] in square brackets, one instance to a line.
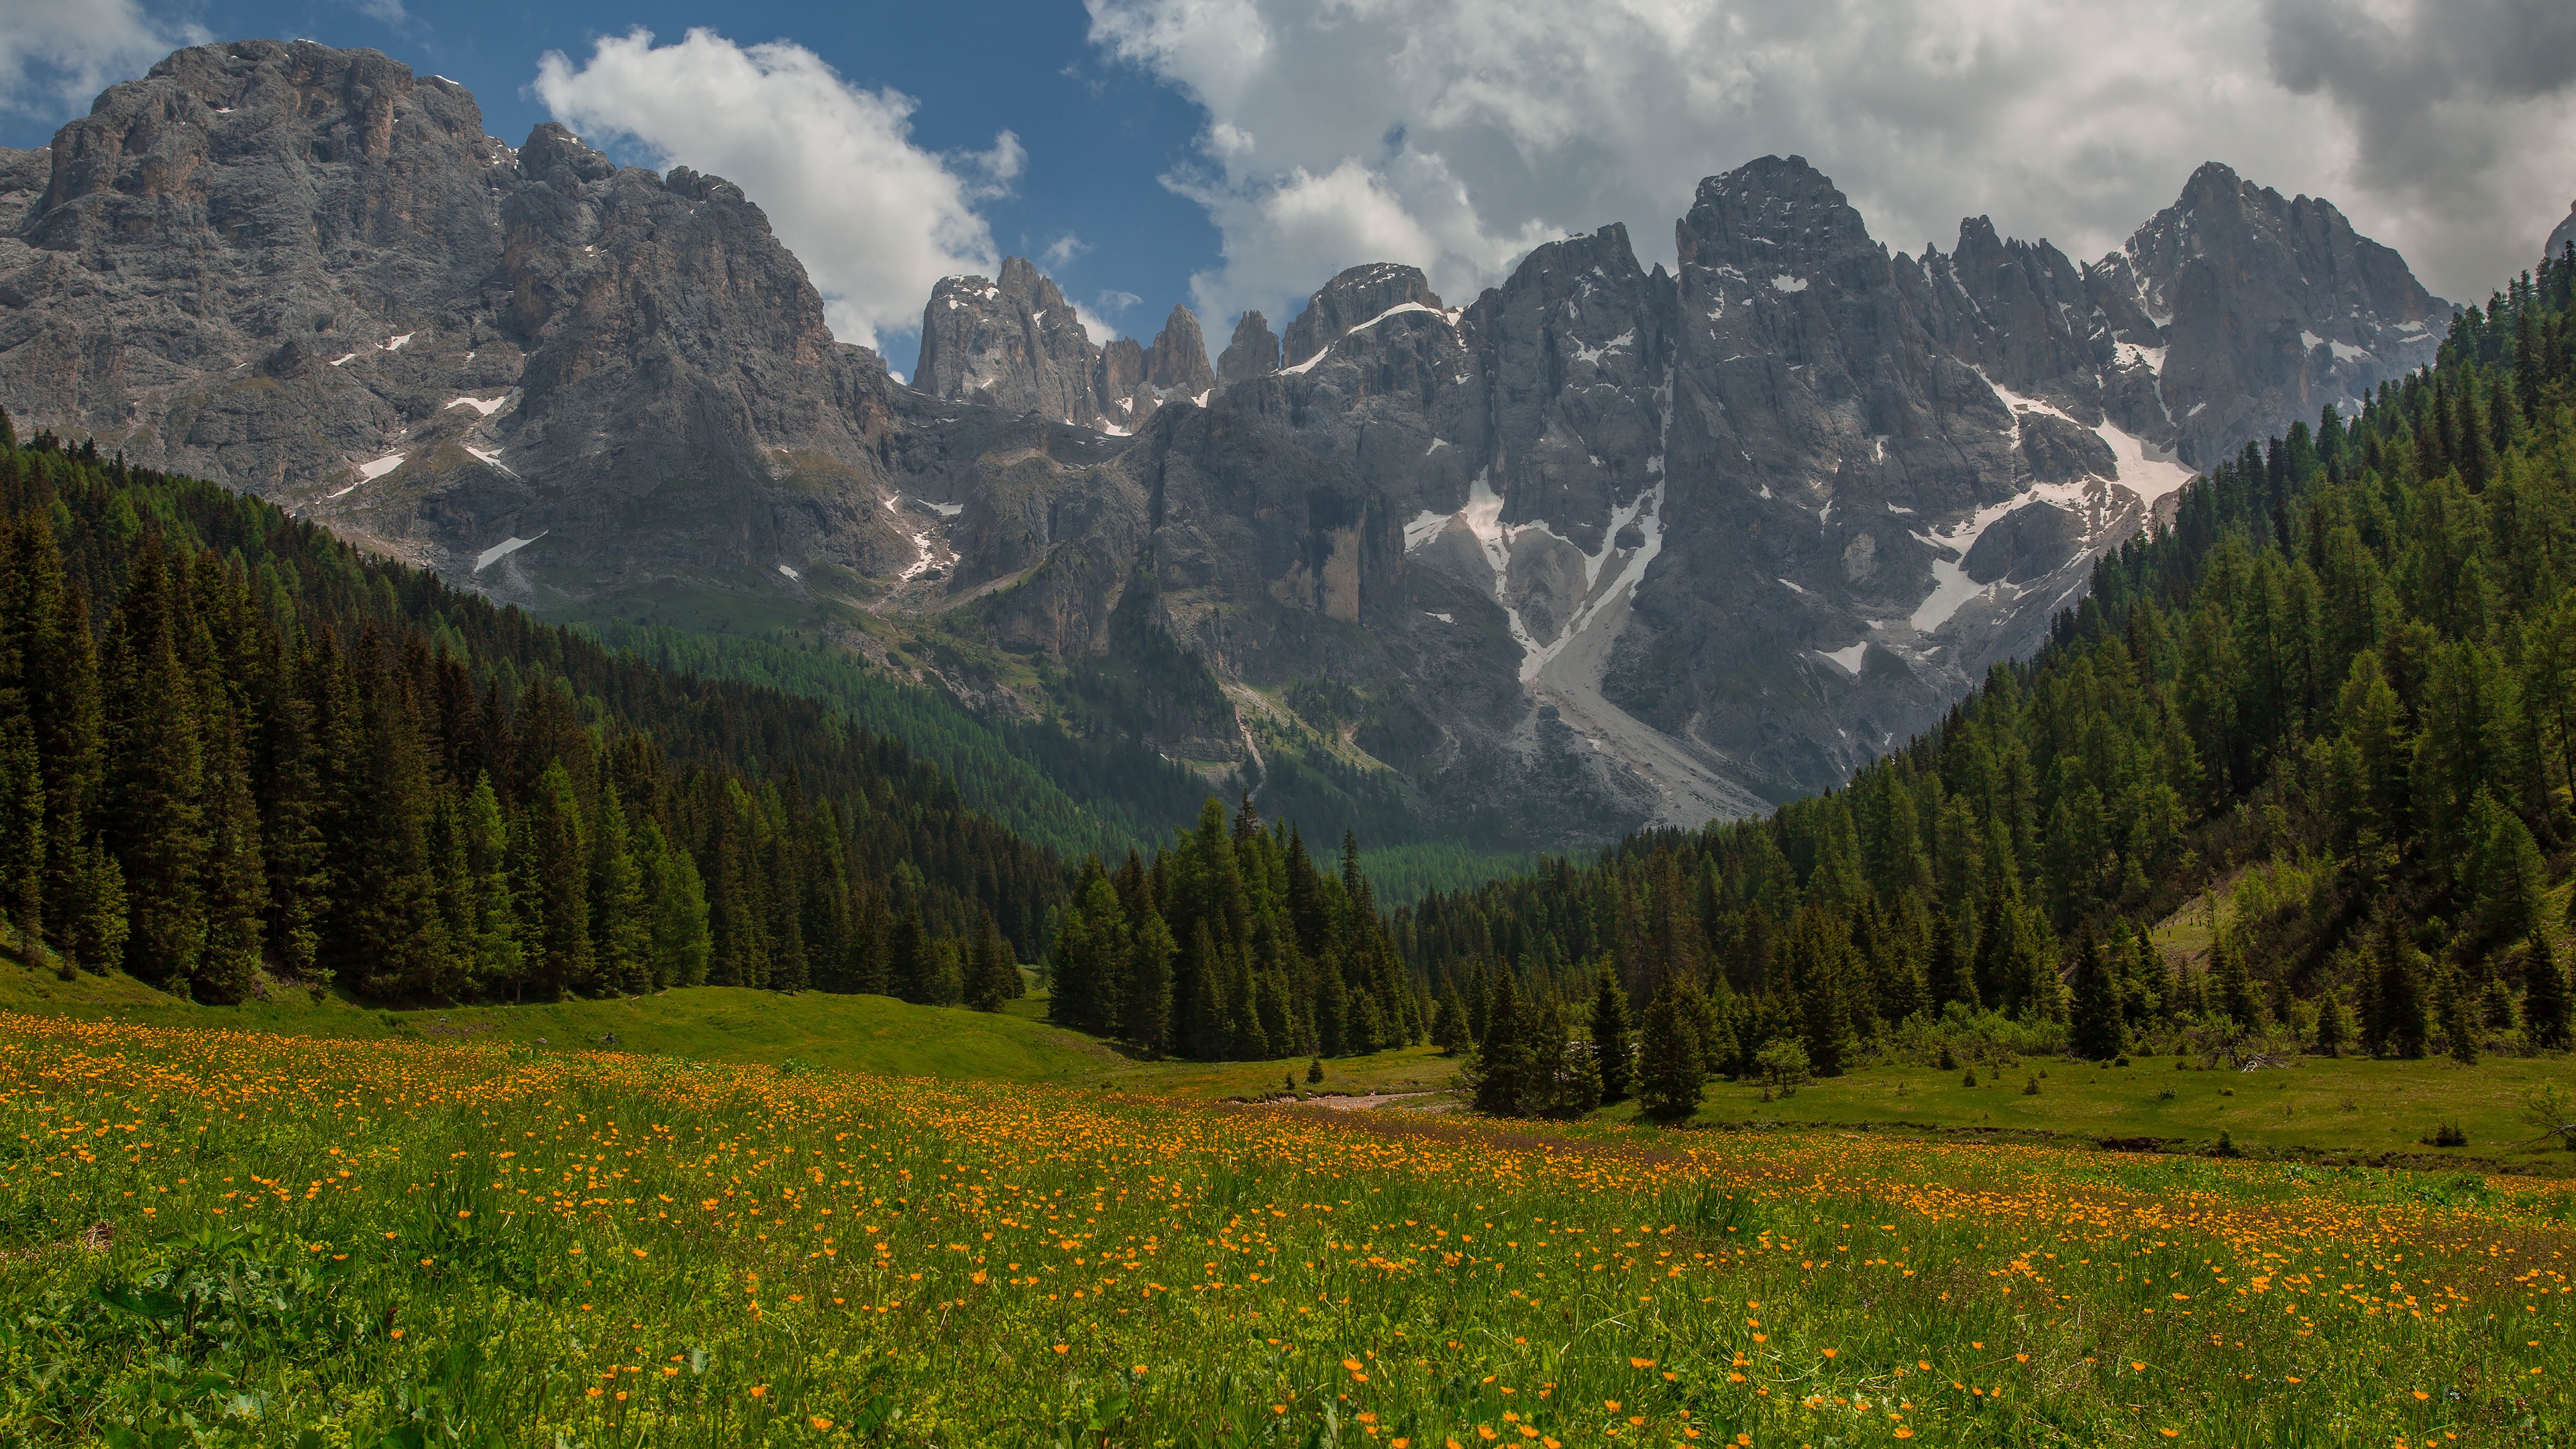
[2334, 705]
[1232, 944]
[230, 743]
[1102, 793]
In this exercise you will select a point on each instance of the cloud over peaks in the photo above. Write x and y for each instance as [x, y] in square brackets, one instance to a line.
[875, 218]
[1455, 137]
[57, 54]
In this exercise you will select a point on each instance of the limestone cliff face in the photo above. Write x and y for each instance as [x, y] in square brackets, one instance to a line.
[1012, 343]
[309, 273]
[1603, 546]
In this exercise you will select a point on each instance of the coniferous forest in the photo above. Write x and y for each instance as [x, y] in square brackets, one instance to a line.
[231, 745]
[1233, 944]
[2329, 712]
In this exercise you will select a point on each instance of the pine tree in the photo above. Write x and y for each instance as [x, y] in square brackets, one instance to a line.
[2098, 1030]
[2455, 1006]
[1204, 1034]
[1672, 1066]
[2544, 994]
[683, 939]
[2507, 871]
[2335, 1028]
[23, 852]
[156, 784]
[1577, 1089]
[495, 963]
[1613, 1038]
[621, 922]
[235, 888]
[1145, 1014]
[560, 899]
[2236, 997]
[910, 965]
[2403, 1026]
[1504, 1074]
[1455, 1032]
[995, 974]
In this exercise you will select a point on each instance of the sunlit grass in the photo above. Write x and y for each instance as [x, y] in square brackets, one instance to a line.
[387, 1238]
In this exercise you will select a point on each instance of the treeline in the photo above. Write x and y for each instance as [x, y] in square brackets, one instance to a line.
[1232, 945]
[2334, 704]
[231, 745]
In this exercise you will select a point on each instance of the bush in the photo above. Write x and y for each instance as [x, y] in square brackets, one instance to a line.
[1783, 1063]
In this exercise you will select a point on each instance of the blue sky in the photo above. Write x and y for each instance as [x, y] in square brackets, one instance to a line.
[1236, 153]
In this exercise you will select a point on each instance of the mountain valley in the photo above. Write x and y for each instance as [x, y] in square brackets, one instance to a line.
[1603, 547]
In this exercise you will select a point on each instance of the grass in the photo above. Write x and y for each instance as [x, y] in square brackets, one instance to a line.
[2322, 1107]
[713, 1023]
[230, 1238]
[876, 1034]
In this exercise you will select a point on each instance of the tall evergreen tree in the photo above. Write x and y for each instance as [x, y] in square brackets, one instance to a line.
[1505, 1074]
[1145, 1011]
[2097, 1030]
[995, 978]
[1614, 1038]
[1672, 1065]
[559, 890]
[2235, 987]
[2544, 994]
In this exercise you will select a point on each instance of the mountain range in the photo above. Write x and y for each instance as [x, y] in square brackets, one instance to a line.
[1604, 546]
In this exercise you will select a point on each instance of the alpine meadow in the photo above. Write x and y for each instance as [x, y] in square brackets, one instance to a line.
[585, 866]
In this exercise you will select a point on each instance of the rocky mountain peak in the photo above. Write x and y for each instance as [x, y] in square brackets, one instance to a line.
[551, 150]
[1011, 342]
[2268, 308]
[1775, 212]
[1178, 361]
[1254, 351]
[1351, 300]
[2563, 237]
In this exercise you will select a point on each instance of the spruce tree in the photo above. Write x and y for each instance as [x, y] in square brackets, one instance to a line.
[2235, 988]
[235, 874]
[1672, 1067]
[494, 963]
[2404, 1025]
[2455, 1006]
[1145, 1013]
[996, 973]
[621, 922]
[1504, 1073]
[1577, 1087]
[1204, 1032]
[912, 973]
[2335, 1028]
[2098, 1030]
[1613, 1037]
[156, 783]
[560, 905]
[1457, 1033]
[683, 939]
[2544, 994]
[23, 853]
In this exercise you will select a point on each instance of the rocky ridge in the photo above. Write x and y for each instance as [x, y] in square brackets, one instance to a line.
[1603, 546]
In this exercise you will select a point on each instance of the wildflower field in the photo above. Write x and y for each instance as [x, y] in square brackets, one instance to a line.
[211, 1237]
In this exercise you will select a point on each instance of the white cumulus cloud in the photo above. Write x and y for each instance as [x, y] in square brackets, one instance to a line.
[57, 54]
[875, 218]
[1455, 137]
